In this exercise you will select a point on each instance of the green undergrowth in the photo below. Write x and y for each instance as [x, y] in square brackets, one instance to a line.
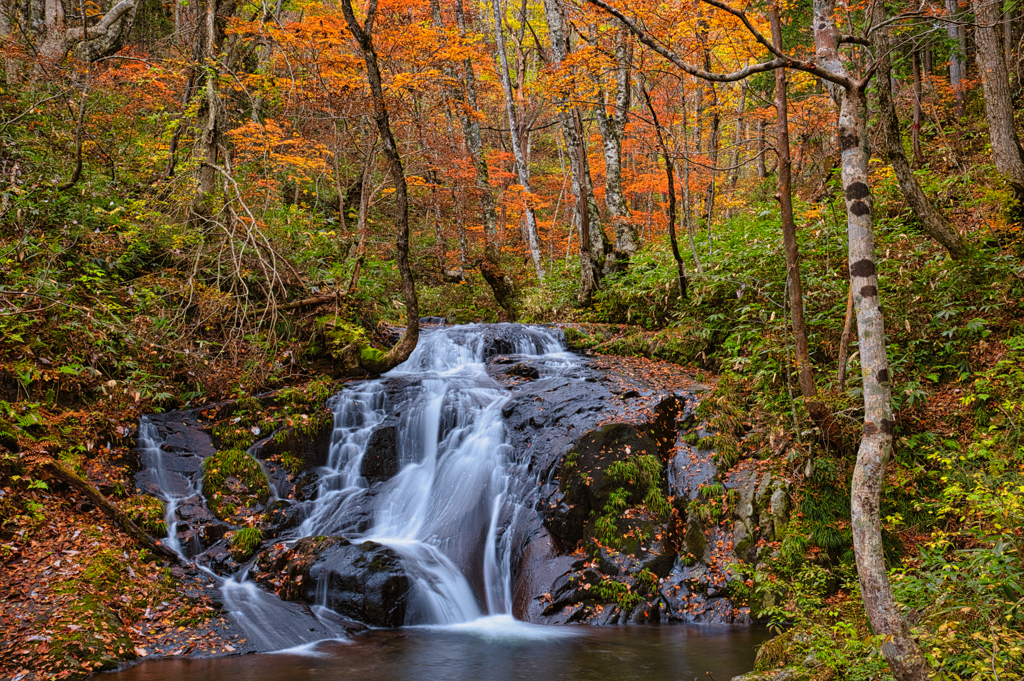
[640, 479]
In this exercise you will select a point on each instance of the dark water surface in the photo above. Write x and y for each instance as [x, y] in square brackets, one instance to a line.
[492, 651]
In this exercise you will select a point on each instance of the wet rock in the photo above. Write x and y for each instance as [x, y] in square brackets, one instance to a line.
[365, 582]
[305, 445]
[583, 478]
[381, 461]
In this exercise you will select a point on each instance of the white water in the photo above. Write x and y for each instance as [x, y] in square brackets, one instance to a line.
[441, 512]
[153, 458]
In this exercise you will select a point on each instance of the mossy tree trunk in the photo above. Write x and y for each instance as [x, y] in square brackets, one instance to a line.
[363, 34]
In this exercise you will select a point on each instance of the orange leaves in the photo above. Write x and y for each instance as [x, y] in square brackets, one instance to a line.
[271, 142]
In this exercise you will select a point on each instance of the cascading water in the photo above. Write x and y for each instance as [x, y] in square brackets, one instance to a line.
[442, 511]
[451, 490]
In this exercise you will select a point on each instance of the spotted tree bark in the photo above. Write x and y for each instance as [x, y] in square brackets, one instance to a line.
[900, 649]
[934, 222]
[1006, 149]
[363, 34]
[522, 170]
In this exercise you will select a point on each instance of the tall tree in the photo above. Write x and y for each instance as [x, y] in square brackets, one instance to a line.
[957, 66]
[522, 169]
[848, 91]
[670, 173]
[464, 102]
[212, 113]
[363, 34]
[587, 214]
[934, 222]
[794, 285]
[1006, 149]
[613, 128]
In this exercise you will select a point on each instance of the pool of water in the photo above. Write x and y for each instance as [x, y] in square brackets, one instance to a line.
[491, 649]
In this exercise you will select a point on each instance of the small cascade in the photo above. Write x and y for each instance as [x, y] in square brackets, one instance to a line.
[442, 509]
[171, 485]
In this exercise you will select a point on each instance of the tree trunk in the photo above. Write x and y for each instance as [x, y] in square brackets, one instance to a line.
[522, 170]
[934, 223]
[762, 171]
[407, 343]
[818, 411]
[670, 173]
[1006, 149]
[957, 66]
[738, 139]
[900, 649]
[613, 128]
[58, 470]
[464, 104]
[212, 113]
[916, 136]
[592, 255]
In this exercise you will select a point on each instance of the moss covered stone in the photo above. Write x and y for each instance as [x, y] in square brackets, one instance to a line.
[234, 482]
[147, 512]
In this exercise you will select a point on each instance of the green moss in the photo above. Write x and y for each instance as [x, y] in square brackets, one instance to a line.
[245, 542]
[371, 355]
[233, 479]
[147, 512]
[619, 592]
[338, 334]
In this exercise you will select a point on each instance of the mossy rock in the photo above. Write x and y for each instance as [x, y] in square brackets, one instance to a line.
[337, 334]
[234, 482]
[99, 640]
[147, 512]
[245, 542]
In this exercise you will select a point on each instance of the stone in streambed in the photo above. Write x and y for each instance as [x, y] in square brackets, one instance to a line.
[365, 582]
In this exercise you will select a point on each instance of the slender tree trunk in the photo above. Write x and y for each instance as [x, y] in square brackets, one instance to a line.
[522, 170]
[687, 212]
[713, 144]
[738, 138]
[592, 255]
[957, 66]
[670, 173]
[934, 223]
[212, 113]
[1006, 149]
[464, 104]
[818, 411]
[916, 136]
[410, 337]
[899, 647]
[762, 171]
[613, 127]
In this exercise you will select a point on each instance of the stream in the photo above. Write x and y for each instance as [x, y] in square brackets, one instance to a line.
[432, 505]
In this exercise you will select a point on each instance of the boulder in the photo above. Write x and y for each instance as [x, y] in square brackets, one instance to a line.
[381, 460]
[364, 582]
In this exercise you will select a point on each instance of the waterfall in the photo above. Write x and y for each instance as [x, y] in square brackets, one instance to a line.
[442, 511]
[452, 490]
